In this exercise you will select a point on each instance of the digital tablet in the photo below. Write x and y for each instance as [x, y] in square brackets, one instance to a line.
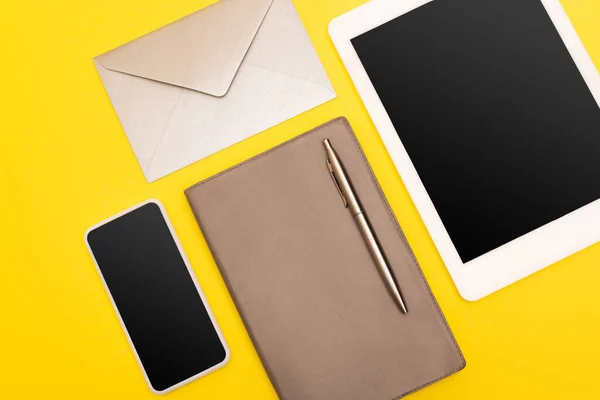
[490, 110]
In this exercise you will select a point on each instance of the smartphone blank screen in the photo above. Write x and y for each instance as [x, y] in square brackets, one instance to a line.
[156, 297]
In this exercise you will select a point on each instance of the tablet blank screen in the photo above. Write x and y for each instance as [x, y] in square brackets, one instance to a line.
[493, 112]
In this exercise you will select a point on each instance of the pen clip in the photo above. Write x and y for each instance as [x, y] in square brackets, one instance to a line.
[330, 169]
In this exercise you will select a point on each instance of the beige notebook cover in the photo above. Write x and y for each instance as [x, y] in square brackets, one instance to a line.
[310, 296]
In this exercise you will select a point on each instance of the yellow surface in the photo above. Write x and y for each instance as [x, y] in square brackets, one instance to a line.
[65, 164]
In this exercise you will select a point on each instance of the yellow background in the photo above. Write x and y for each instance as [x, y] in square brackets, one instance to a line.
[65, 164]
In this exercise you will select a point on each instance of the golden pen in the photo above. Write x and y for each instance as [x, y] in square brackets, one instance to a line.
[351, 201]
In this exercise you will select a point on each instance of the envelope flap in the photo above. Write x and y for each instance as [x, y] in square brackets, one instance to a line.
[202, 51]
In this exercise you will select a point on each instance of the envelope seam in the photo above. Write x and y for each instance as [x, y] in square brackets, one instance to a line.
[289, 75]
[164, 134]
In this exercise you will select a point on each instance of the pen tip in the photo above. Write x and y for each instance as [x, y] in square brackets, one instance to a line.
[401, 304]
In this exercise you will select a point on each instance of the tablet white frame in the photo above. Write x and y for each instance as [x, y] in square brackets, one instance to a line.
[518, 258]
[192, 275]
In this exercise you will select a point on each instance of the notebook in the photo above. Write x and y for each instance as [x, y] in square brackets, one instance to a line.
[314, 304]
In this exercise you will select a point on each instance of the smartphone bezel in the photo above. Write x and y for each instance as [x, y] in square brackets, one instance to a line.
[192, 276]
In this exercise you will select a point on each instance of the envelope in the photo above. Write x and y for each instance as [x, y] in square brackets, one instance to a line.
[212, 79]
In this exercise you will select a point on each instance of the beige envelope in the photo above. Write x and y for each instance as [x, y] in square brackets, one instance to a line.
[212, 79]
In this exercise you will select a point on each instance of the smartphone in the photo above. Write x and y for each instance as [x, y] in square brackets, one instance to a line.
[157, 299]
